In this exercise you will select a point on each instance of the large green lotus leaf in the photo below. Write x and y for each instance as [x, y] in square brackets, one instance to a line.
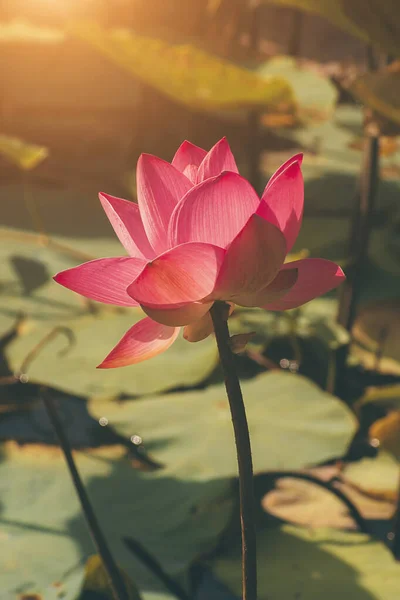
[315, 95]
[377, 476]
[74, 371]
[187, 74]
[380, 91]
[295, 562]
[316, 318]
[386, 395]
[177, 513]
[96, 580]
[293, 423]
[24, 155]
[27, 268]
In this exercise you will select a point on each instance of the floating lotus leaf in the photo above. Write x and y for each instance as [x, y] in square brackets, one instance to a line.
[315, 95]
[378, 476]
[295, 562]
[387, 395]
[177, 513]
[96, 580]
[74, 370]
[198, 424]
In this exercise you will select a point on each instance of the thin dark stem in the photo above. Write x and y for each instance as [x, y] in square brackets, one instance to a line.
[360, 233]
[219, 314]
[361, 223]
[394, 535]
[116, 582]
[154, 566]
[330, 487]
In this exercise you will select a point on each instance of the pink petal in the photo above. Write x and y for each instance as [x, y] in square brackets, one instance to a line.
[187, 273]
[296, 158]
[188, 158]
[251, 261]
[159, 187]
[125, 219]
[213, 211]
[175, 317]
[142, 341]
[201, 329]
[283, 200]
[220, 158]
[316, 276]
[280, 286]
[191, 173]
[104, 279]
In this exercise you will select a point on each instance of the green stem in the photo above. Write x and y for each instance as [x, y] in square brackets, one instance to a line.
[116, 582]
[219, 314]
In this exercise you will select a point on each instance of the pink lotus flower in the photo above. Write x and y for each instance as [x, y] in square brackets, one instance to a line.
[198, 234]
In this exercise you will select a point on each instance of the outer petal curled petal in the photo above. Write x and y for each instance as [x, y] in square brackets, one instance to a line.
[186, 273]
[159, 187]
[125, 219]
[187, 159]
[214, 211]
[280, 286]
[296, 158]
[316, 276]
[104, 279]
[175, 317]
[141, 342]
[252, 260]
[220, 158]
[283, 200]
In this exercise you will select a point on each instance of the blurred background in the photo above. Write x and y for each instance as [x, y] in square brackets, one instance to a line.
[88, 85]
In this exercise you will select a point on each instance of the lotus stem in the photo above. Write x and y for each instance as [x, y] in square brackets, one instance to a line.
[116, 581]
[149, 561]
[360, 234]
[394, 534]
[361, 225]
[219, 314]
